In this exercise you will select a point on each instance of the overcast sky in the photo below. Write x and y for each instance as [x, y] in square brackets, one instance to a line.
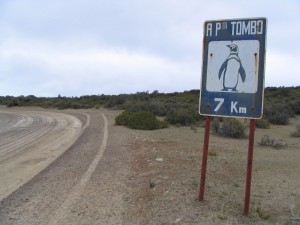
[85, 47]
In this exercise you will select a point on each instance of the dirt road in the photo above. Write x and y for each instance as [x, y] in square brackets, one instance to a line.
[79, 187]
[29, 142]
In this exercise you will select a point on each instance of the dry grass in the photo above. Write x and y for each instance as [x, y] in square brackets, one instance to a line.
[166, 192]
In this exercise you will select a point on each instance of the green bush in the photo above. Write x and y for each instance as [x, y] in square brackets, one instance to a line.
[295, 106]
[263, 124]
[140, 120]
[279, 118]
[233, 128]
[278, 114]
[181, 116]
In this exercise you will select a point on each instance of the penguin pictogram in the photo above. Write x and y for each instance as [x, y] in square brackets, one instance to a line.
[231, 69]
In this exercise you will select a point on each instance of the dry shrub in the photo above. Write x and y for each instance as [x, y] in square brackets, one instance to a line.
[296, 133]
[271, 142]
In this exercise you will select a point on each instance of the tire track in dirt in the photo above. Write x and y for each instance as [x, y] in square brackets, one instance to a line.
[31, 140]
[85, 185]
[35, 202]
[62, 211]
[24, 131]
[21, 130]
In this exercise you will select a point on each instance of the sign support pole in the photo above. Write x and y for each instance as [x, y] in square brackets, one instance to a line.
[249, 167]
[204, 158]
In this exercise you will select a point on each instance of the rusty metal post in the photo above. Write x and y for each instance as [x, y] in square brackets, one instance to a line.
[249, 167]
[204, 158]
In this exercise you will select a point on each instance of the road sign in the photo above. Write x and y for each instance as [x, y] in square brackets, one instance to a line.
[233, 68]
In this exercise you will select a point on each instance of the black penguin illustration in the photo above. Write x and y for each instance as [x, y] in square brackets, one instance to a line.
[231, 69]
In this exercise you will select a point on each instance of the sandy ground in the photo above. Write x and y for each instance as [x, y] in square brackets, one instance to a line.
[114, 175]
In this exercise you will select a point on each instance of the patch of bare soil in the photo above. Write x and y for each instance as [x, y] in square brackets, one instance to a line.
[166, 165]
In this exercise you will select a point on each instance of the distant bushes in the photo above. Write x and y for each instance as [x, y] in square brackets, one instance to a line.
[262, 123]
[279, 118]
[155, 107]
[176, 113]
[230, 127]
[215, 125]
[280, 104]
[140, 120]
[182, 116]
[295, 106]
[278, 114]
[233, 128]
[296, 133]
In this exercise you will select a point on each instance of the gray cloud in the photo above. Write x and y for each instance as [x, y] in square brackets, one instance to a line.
[91, 47]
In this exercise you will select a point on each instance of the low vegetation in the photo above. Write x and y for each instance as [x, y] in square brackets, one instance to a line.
[262, 124]
[140, 120]
[271, 142]
[229, 127]
[296, 133]
[280, 104]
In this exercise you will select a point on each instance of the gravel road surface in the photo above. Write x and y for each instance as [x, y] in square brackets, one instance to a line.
[84, 185]
[30, 141]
